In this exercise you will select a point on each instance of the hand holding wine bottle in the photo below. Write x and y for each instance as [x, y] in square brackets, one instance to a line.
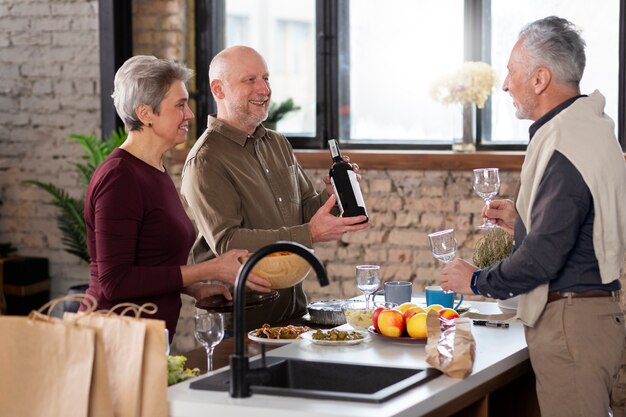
[325, 226]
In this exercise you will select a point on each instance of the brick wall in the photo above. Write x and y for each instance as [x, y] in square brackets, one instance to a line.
[160, 28]
[49, 87]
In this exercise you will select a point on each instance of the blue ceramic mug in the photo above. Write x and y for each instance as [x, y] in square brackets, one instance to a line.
[436, 295]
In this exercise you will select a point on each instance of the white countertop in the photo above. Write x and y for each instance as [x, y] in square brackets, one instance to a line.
[497, 350]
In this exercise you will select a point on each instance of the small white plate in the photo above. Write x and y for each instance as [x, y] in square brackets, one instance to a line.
[309, 336]
[269, 341]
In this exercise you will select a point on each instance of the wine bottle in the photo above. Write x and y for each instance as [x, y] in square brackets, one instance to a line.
[345, 185]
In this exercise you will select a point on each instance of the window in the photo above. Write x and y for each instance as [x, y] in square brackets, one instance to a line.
[361, 71]
[283, 31]
[600, 29]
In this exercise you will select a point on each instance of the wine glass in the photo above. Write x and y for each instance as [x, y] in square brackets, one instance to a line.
[209, 331]
[486, 185]
[443, 245]
[367, 280]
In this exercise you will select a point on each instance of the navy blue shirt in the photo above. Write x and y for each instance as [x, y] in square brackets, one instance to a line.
[559, 249]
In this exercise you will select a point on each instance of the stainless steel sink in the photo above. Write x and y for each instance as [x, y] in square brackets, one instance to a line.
[326, 380]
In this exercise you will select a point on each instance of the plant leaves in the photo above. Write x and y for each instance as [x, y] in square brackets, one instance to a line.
[71, 220]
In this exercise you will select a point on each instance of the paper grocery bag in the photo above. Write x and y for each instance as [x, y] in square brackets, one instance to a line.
[136, 361]
[123, 346]
[154, 371]
[51, 368]
[451, 347]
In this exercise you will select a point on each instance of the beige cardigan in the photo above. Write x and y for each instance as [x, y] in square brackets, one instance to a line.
[584, 134]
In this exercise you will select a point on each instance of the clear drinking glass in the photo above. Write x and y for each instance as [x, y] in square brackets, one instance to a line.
[443, 245]
[486, 185]
[209, 331]
[367, 280]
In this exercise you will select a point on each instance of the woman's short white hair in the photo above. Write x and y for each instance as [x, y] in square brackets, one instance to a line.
[144, 79]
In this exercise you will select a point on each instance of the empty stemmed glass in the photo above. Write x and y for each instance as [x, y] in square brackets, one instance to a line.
[443, 245]
[486, 185]
[209, 331]
[367, 280]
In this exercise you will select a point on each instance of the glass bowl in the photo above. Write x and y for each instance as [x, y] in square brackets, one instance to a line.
[357, 315]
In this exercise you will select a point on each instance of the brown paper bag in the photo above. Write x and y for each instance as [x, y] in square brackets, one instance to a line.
[135, 351]
[452, 349]
[52, 368]
[154, 371]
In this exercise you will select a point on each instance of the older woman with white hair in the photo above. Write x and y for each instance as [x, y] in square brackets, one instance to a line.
[139, 235]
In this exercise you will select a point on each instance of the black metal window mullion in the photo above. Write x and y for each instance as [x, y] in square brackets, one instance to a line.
[326, 22]
[473, 51]
[116, 46]
[210, 24]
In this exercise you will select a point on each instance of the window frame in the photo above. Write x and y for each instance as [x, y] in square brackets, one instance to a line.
[209, 27]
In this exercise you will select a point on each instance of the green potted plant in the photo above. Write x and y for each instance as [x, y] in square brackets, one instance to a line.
[70, 219]
[278, 111]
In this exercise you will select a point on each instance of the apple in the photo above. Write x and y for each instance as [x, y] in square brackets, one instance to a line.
[436, 307]
[448, 314]
[413, 311]
[405, 306]
[391, 323]
[416, 325]
[377, 312]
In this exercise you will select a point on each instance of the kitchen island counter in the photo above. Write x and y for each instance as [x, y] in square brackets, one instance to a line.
[501, 365]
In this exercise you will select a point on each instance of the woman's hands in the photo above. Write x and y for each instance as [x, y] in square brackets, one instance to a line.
[227, 266]
[224, 268]
[200, 290]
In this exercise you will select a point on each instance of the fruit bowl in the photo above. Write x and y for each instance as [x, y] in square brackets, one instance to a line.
[399, 339]
[282, 269]
[357, 315]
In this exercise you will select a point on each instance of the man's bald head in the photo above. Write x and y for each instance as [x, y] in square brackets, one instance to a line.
[220, 66]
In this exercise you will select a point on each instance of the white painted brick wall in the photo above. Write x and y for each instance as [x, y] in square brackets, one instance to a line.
[49, 75]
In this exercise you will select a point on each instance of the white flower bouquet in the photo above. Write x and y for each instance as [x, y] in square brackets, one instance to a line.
[472, 83]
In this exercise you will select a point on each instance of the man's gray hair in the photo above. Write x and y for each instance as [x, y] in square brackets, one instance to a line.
[555, 43]
[144, 79]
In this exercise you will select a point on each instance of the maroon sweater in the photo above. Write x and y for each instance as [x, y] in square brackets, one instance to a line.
[138, 236]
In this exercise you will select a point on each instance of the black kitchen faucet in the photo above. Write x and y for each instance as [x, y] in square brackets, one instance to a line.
[241, 377]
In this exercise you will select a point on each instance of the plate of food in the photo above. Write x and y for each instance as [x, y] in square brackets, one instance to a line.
[336, 337]
[399, 339]
[277, 335]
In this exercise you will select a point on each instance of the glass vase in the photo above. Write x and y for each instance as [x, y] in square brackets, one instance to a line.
[466, 142]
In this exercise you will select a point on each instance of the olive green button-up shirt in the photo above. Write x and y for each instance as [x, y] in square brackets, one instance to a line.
[246, 192]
